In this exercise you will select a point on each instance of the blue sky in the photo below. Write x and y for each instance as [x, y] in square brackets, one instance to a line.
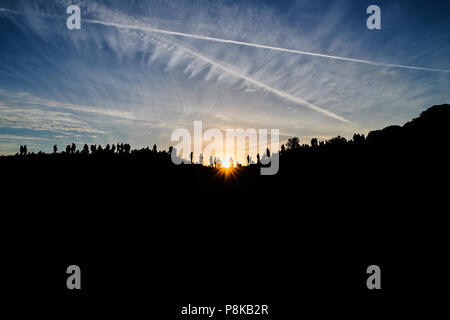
[108, 84]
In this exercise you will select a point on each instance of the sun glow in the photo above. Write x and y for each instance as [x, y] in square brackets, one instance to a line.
[228, 171]
[226, 164]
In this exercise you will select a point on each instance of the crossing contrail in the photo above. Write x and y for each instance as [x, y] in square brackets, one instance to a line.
[220, 65]
[255, 45]
[230, 70]
[284, 95]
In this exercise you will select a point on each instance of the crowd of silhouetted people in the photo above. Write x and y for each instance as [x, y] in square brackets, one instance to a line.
[71, 149]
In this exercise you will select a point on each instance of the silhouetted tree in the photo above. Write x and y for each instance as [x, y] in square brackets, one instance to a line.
[293, 143]
[358, 138]
[337, 141]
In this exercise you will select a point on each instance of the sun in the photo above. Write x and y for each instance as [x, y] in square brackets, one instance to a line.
[227, 171]
[226, 164]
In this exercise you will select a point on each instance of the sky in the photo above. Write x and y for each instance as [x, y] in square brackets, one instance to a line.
[138, 70]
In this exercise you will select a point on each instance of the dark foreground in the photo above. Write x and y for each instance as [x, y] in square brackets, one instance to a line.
[139, 226]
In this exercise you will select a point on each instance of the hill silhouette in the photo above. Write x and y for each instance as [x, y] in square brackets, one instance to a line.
[334, 205]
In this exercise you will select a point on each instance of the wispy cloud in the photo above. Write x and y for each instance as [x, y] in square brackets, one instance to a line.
[127, 82]
[24, 97]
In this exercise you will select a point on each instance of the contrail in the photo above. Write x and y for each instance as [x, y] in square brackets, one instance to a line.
[249, 44]
[281, 94]
[222, 66]
[8, 10]
[255, 45]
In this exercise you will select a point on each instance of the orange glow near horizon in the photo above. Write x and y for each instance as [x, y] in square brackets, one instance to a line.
[227, 172]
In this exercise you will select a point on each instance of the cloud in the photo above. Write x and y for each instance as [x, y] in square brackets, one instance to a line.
[24, 97]
[137, 85]
[12, 137]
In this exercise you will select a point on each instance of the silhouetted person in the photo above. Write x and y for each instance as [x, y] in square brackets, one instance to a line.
[113, 148]
[93, 148]
[211, 161]
[258, 159]
[55, 148]
[314, 142]
[170, 150]
[73, 148]
[86, 149]
[268, 153]
[155, 148]
[191, 156]
[248, 159]
[68, 149]
[107, 148]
